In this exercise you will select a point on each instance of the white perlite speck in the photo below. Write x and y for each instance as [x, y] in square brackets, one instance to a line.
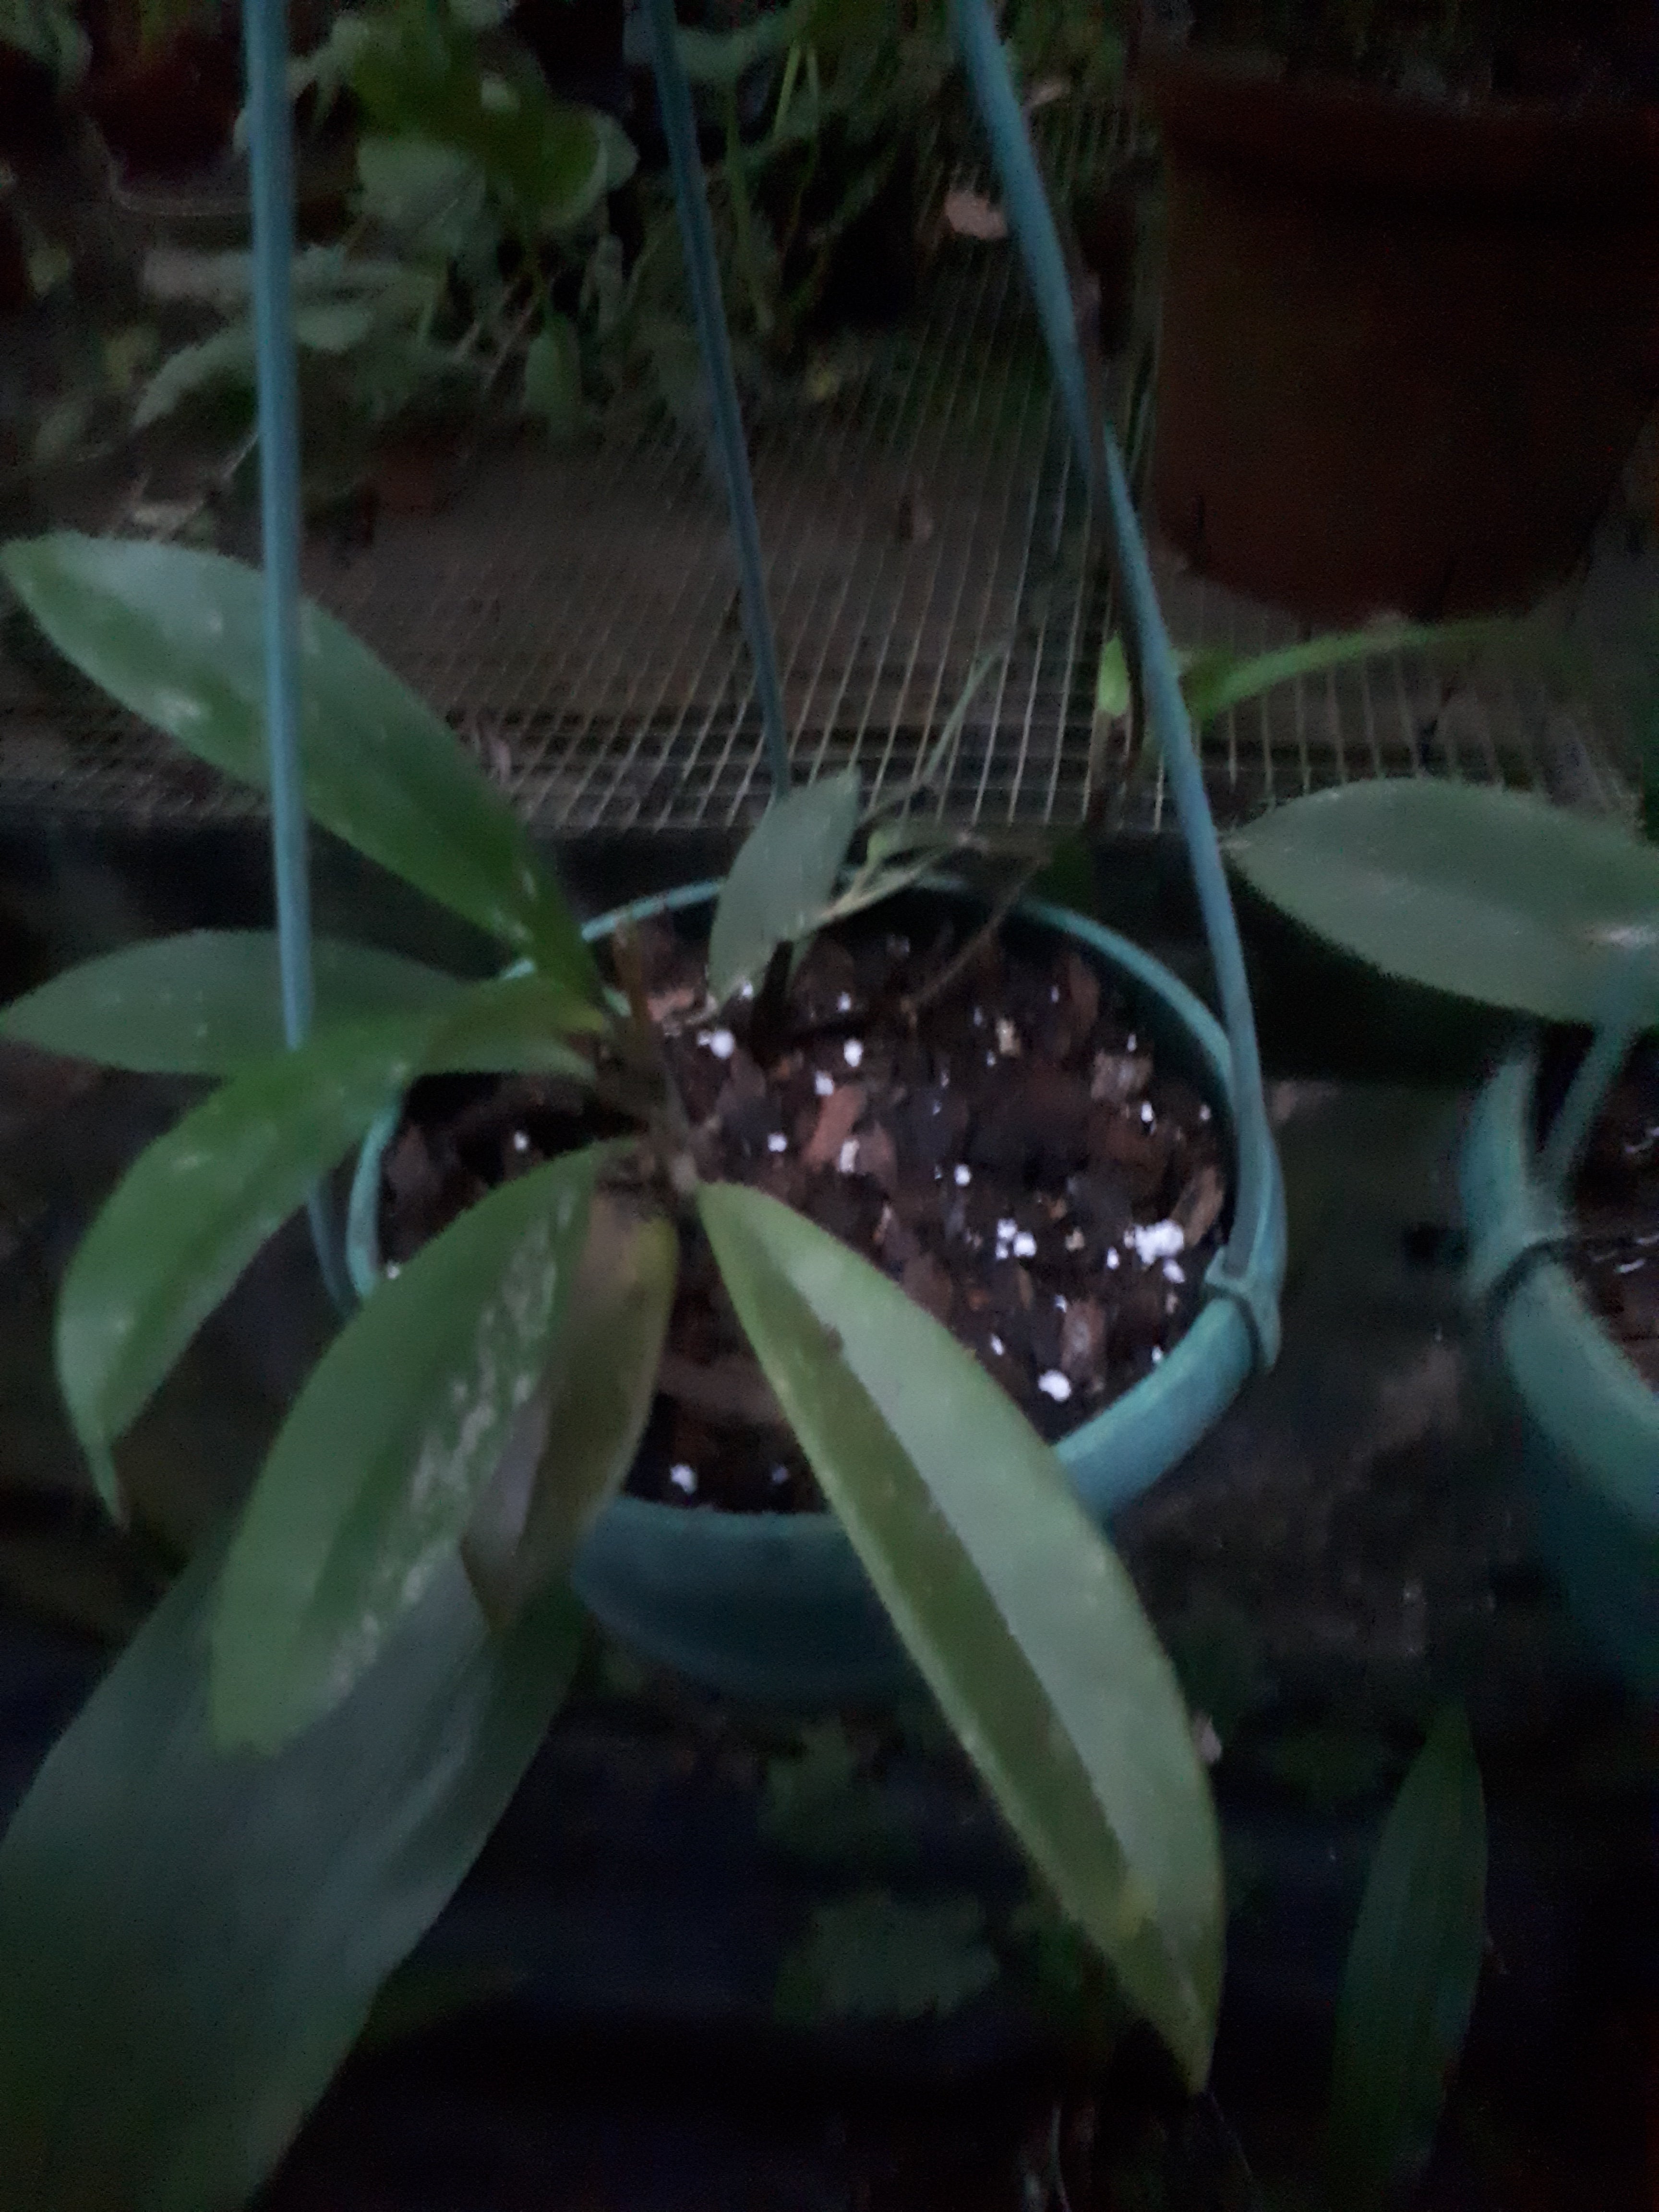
[1111, 1259]
[1157, 1355]
[964, 1175]
[823, 1084]
[998, 1346]
[848, 1159]
[521, 1140]
[1174, 1272]
[777, 1142]
[1007, 1039]
[1054, 1385]
[683, 1477]
[1024, 1245]
[853, 1052]
[1146, 1114]
[1162, 1241]
[779, 1474]
[722, 1043]
[844, 1004]
[1075, 1242]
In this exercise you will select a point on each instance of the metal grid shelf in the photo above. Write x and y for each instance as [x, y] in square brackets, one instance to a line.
[575, 617]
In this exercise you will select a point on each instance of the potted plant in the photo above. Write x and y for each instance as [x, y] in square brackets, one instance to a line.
[1549, 916]
[1409, 334]
[319, 1725]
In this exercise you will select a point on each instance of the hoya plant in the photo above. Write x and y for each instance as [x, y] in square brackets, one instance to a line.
[281, 1780]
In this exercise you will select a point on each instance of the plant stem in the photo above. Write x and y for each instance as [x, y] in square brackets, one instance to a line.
[956, 967]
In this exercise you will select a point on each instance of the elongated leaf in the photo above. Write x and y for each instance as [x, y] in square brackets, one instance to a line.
[208, 1002]
[198, 1203]
[585, 1425]
[175, 636]
[782, 878]
[1498, 897]
[1408, 1987]
[1017, 1611]
[385, 1453]
[191, 1943]
[1213, 681]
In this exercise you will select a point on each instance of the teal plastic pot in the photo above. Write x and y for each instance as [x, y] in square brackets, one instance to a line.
[1590, 1423]
[776, 1606]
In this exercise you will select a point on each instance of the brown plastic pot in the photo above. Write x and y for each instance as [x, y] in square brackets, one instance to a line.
[1407, 348]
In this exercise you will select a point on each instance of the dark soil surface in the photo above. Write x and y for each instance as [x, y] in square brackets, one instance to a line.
[1617, 1264]
[1014, 1156]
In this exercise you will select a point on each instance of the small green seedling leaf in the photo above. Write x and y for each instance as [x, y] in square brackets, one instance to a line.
[1112, 689]
[208, 1002]
[875, 1957]
[1017, 1611]
[1215, 680]
[191, 1943]
[782, 878]
[1494, 895]
[576, 1441]
[1408, 1987]
[386, 1452]
[553, 377]
[174, 635]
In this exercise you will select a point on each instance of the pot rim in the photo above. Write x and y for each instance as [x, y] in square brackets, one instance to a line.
[1585, 1392]
[1340, 134]
[1202, 1373]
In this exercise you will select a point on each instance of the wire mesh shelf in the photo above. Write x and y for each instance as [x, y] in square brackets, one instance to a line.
[574, 616]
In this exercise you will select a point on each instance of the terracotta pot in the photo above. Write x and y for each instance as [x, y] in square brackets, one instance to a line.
[1406, 349]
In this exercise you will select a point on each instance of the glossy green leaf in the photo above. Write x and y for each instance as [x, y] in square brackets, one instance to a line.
[386, 1452]
[781, 878]
[1015, 1609]
[208, 1002]
[191, 1943]
[176, 635]
[1493, 896]
[1113, 693]
[197, 1204]
[1409, 1983]
[1215, 680]
[574, 1443]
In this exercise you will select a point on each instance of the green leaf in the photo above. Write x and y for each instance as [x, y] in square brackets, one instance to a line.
[719, 58]
[874, 1956]
[431, 195]
[576, 1440]
[176, 636]
[1215, 680]
[386, 1451]
[191, 1943]
[1496, 896]
[1017, 1611]
[1112, 693]
[208, 1002]
[781, 878]
[197, 1204]
[553, 377]
[226, 358]
[1408, 1987]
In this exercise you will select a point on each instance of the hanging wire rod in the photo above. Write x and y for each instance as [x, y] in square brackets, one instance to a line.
[271, 163]
[697, 238]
